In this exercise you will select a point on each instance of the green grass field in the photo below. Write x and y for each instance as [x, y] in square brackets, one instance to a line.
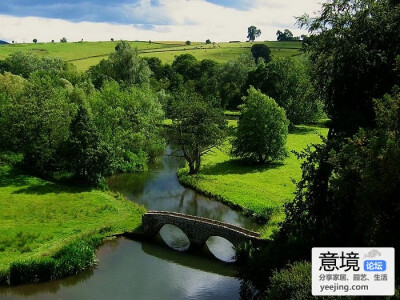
[258, 189]
[86, 54]
[38, 218]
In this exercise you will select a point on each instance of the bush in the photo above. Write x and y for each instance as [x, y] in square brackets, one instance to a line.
[262, 129]
[293, 282]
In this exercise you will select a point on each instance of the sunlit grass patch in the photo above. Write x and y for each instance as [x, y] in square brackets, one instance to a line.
[38, 218]
[258, 189]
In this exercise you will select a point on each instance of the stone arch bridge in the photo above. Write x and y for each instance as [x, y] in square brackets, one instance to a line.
[197, 229]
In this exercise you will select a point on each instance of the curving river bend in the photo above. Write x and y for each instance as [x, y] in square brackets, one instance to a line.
[130, 269]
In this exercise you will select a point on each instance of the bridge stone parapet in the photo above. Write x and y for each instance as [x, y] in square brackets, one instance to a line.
[197, 229]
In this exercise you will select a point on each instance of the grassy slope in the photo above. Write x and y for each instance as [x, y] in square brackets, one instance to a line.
[257, 189]
[86, 54]
[38, 218]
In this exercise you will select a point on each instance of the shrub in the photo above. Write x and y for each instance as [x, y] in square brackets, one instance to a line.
[262, 129]
[293, 282]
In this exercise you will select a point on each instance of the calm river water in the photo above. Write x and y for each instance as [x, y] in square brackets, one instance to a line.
[130, 269]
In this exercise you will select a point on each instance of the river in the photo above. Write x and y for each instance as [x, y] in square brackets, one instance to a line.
[129, 269]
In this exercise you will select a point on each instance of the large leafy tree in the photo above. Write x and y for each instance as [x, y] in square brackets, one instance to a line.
[262, 129]
[288, 82]
[124, 66]
[197, 128]
[84, 153]
[348, 194]
[353, 47]
[233, 78]
[349, 191]
[261, 51]
[252, 33]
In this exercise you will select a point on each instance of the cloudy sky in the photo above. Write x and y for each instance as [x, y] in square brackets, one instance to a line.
[196, 20]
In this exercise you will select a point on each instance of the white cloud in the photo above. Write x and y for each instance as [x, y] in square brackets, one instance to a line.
[194, 20]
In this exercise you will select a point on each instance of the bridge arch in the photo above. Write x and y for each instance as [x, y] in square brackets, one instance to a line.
[174, 237]
[221, 248]
[197, 229]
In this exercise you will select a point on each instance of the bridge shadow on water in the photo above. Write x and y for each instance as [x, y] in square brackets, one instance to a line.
[204, 259]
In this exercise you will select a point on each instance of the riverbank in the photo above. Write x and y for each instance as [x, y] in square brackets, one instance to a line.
[52, 230]
[259, 191]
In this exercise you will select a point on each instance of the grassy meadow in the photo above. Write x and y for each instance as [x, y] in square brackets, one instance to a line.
[39, 218]
[259, 190]
[86, 54]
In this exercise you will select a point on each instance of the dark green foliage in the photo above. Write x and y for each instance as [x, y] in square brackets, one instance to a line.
[261, 51]
[156, 66]
[35, 41]
[252, 33]
[262, 129]
[187, 43]
[197, 128]
[286, 35]
[85, 156]
[288, 82]
[349, 196]
[63, 40]
[293, 282]
[187, 66]
[233, 79]
[64, 130]
[353, 58]
[208, 41]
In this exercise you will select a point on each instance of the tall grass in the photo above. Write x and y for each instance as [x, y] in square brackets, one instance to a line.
[71, 259]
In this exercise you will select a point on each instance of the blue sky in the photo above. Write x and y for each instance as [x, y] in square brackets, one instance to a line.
[157, 19]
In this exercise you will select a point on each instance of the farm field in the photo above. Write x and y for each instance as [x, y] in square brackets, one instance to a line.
[259, 190]
[86, 54]
[38, 218]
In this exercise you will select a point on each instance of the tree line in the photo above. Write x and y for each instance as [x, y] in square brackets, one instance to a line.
[65, 123]
[349, 192]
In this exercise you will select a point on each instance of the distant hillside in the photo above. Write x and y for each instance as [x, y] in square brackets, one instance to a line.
[86, 54]
[3, 42]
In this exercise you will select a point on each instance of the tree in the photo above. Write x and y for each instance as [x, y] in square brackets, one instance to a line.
[208, 41]
[187, 43]
[197, 128]
[349, 187]
[261, 51]
[63, 40]
[128, 121]
[252, 33]
[112, 39]
[288, 82]
[262, 129]
[233, 78]
[124, 65]
[85, 156]
[186, 65]
[350, 67]
[286, 35]
[35, 41]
